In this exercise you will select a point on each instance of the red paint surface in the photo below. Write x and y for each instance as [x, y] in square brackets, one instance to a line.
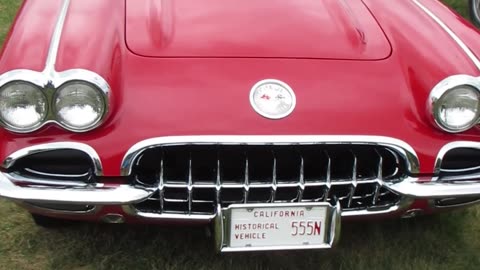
[27, 44]
[167, 96]
[276, 28]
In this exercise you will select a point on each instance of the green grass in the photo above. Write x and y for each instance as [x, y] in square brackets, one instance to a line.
[443, 241]
[460, 5]
[8, 8]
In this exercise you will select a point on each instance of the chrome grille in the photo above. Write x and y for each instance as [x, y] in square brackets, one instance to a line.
[194, 179]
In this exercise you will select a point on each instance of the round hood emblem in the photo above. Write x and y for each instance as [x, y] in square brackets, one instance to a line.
[272, 99]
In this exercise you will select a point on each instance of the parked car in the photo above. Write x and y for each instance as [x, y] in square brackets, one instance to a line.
[271, 121]
[475, 11]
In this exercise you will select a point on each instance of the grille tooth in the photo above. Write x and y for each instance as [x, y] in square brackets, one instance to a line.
[190, 183]
[301, 181]
[218, 183]
[161, 188]
[380, 166]
[274, 178]
[195, 179]
[391, 163]
[354, 180]
[246, 181]
[328, 178]
[379, 178]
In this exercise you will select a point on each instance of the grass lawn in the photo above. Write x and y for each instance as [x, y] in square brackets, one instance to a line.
[460, 5]
[444, 241]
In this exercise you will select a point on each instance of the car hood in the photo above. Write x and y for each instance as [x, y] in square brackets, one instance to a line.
[167, 96]
[327, 29]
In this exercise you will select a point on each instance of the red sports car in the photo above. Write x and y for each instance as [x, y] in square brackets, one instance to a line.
[269, 120]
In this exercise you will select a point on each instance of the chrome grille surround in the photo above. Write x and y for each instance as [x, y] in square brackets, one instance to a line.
[159, 205]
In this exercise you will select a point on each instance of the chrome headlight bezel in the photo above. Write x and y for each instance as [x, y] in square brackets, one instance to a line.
[49, 83]
[446, 87]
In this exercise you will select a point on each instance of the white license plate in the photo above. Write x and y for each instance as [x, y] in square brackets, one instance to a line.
[278, 226]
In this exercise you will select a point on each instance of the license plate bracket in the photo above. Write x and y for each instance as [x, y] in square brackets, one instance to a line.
[277, 226]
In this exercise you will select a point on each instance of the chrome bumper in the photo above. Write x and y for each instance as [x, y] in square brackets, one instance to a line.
[44, 192]
[126, 195]
[435, 189]
[97, 194]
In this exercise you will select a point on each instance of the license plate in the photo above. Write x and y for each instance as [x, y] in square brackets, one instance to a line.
[250, 227]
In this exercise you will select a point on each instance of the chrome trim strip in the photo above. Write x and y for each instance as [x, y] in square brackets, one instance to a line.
[401, 147]
[449, 31]
[12, 158]
[56, 37]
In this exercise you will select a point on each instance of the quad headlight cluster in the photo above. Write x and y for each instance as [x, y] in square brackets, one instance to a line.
[455, 103]
[78, 105]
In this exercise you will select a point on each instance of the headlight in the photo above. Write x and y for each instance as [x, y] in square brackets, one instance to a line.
[23, 106]
[456, 103]
[79, 106]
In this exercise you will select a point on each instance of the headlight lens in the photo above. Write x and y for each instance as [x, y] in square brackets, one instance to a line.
[23, 106]
[458, 109]
[79, 106]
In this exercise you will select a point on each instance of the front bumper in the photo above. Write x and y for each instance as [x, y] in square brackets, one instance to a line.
[99, 195]
[95, 194]
[112, 201]
[435, 189]
[37, 194]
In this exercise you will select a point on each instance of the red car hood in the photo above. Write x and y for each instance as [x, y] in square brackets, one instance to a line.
[168, 96]
[327, 29]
